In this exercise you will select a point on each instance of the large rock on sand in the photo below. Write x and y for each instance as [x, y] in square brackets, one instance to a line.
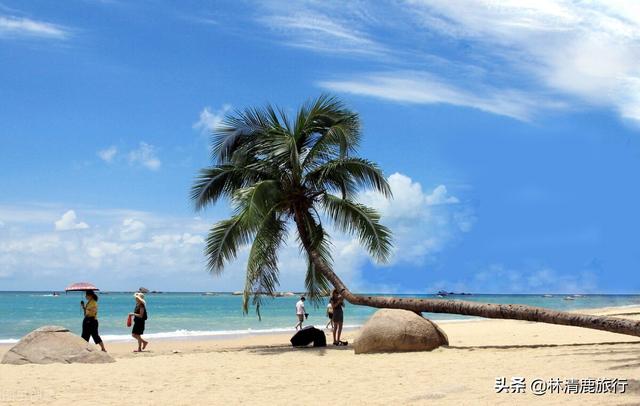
[54, 344]
[394, 330]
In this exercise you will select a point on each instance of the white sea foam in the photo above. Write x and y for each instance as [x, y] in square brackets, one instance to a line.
[186, 334]
[192, 334]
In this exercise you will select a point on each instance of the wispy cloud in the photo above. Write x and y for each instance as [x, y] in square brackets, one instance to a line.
[512, 58]
[331, 27]
[108, 154]
[12, 27]
[527, 278]
[145, 155]
[210, 119]
[322, 33]
[423, 88]
[584, 51]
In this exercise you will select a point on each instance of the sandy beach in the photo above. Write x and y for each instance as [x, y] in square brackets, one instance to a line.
[265, 369]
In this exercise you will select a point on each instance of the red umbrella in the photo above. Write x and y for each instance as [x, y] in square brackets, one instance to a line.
[81, 286]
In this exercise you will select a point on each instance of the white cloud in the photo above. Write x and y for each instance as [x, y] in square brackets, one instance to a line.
[209, 119]
[132, 229]
[68, 222]
[123, 246]
[101, 249]
[108, 154]
[25, 27]
[423, 224]
[120, 246]
[146, 156]
[440, 195]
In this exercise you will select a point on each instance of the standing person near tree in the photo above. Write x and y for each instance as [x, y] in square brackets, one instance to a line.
[337, 302]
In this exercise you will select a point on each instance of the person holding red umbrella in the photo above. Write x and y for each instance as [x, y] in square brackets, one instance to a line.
[90, 322]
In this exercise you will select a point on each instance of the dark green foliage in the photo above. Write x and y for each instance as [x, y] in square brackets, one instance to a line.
[274, 171]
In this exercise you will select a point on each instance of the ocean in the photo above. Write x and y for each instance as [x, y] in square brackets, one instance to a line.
[175, 315]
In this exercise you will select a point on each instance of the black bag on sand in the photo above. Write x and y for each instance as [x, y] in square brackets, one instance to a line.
[320, 340]
[309, 335]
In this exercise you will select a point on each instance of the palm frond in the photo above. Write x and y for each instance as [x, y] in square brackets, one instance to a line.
[257, 200]
[350, 173]
[238, 130]
[316, 284]
[262, 265]
[331, 131]
[251, 205]
[363, 221]
[220, 181]
[224, 239]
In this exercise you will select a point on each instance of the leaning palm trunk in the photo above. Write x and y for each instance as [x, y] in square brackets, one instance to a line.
[487, 310]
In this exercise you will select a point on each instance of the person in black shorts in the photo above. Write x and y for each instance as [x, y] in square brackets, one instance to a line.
[337, 303]
[90, 322]
[139, 319]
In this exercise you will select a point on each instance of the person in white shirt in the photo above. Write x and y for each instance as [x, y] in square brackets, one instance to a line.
[300, 312]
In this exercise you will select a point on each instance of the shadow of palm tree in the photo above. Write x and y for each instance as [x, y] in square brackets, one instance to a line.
[516, 346]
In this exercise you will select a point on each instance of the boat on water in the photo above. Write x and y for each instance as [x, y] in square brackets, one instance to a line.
[547, 295]
[569, 298]
[442, 293]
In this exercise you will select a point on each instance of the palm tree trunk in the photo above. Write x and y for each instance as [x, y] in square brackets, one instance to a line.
[487, 310]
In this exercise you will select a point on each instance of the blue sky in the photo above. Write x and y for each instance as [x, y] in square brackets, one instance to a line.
[509, 135]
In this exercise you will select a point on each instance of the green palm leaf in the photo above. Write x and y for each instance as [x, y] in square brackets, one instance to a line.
[358, 219]
[223, 241]
[220, 181]
[262, 265]
[275, 171]
[354, 173]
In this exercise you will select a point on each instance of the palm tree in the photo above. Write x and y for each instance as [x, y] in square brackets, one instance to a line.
[279, 172]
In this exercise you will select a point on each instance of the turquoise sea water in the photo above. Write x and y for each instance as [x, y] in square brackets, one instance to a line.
[194, 314]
